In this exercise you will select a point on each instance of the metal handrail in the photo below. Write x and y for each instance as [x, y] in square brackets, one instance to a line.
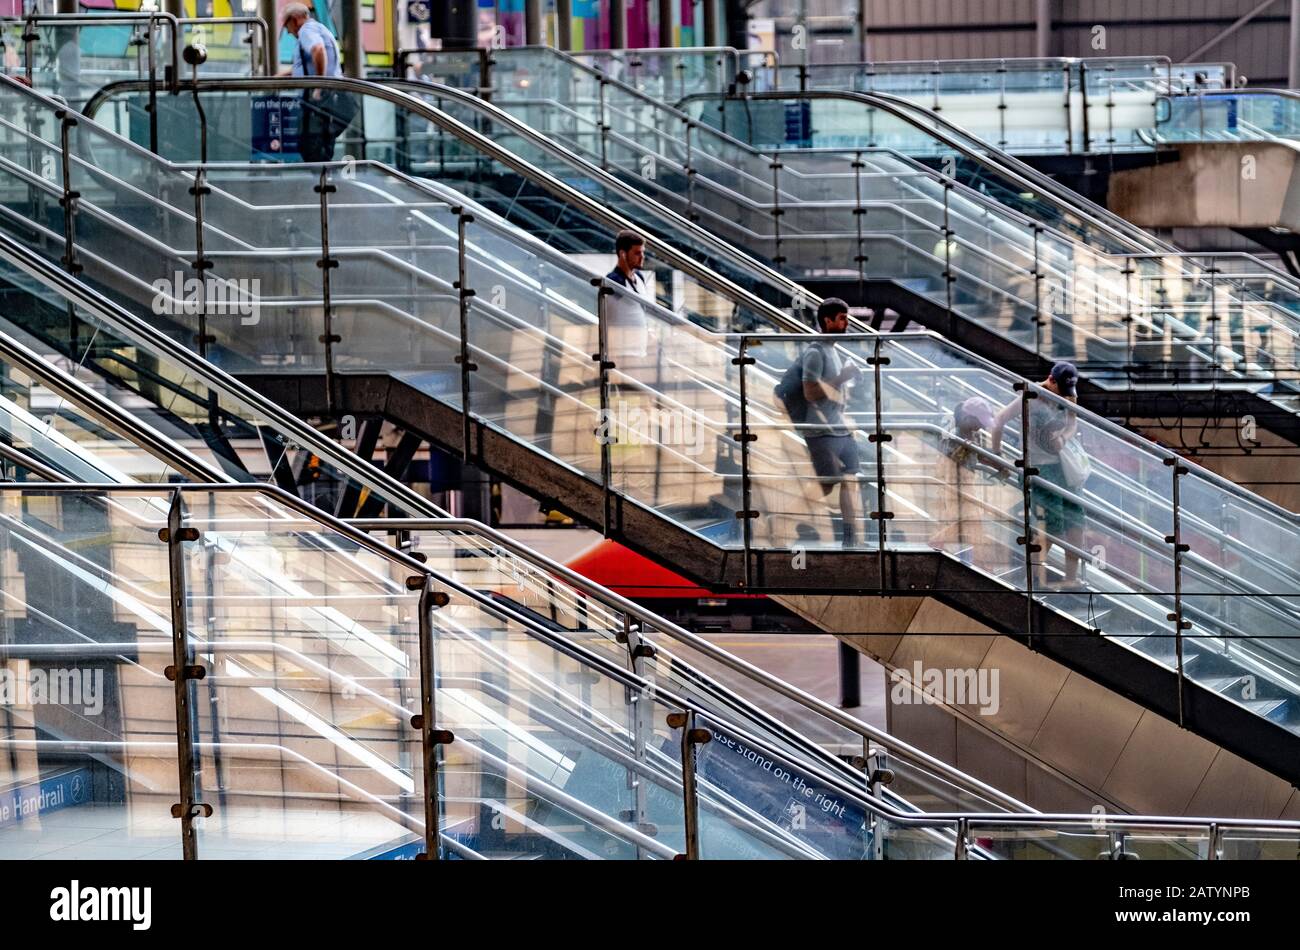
[87, 299]
[255, 24]
[1094, 214]
[593, 590]
[952, 136]
[703, 646]
[387, 92]
[101, 19]
[364, 540]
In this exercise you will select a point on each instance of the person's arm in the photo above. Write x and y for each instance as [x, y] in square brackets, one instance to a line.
[816, 386]
[1000, 422]
[318, 58]
[849, 371]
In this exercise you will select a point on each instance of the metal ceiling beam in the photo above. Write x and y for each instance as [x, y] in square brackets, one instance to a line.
[1236, 25]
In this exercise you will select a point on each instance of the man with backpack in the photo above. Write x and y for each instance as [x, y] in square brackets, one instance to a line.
[814, 391]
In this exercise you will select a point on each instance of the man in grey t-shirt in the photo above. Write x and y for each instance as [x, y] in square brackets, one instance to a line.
[826, 377]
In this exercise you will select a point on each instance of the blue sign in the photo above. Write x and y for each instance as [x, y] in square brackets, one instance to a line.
[406, 851]
[798, 123]
[25, 802]
[275, 121]
[784, 794]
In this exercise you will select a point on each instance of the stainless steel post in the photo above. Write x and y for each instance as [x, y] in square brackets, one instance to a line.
[691, 737]
[606, 424]
[1176, 539]
[181, 673]
[746, 514]
[1027, 473]
[465, 292]
[426, 720]
[326, 265]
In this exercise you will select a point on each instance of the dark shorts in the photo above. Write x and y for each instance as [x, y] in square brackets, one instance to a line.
[1059, 514]
[833, 456]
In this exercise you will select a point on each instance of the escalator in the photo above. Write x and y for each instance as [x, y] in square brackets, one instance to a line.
[682, 509]
[563, 214]
[580, 618]
[1137, 320]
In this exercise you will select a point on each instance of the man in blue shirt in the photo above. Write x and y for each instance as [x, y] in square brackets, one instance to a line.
[325, 113]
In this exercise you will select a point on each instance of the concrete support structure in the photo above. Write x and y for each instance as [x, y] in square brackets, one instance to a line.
[1043, 29]
[618, 24]
[269, 11]
[354, 51]
[534, 32]
[564, 24]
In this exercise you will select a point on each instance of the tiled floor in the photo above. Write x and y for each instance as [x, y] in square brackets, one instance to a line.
[149, 832]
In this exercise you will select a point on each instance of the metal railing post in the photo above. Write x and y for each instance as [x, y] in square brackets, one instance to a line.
[181, 673]
[691, 214]
[605, 427]
[1130, 359]
[777, 258]
[1213, 321]
[152, 107]
[961, 850]
[426, 720]
[1110, 110]
[603, 125]
[1002, 105]
[29, 38]
[948, 277]
[641, 699]
[878, 439]
[1027, 473]
[1038, 292]
[1083, 119]
[859, 214]
[201, 263]
[68, 202]
[1176, 539]
[691, 737]
[464, 295]
[327, 264]
[746, 514]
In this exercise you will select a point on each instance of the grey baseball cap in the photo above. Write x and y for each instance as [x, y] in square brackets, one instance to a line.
[1066, 377]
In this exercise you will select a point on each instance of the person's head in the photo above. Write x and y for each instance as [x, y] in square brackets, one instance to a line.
[1063, 380]
[293, 16]
[972, 415]
[630, 248]
[833, 315]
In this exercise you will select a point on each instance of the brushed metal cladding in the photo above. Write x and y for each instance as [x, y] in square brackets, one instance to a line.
[1122, 755]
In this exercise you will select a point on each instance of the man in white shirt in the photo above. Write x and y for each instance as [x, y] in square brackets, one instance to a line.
[628, 326]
